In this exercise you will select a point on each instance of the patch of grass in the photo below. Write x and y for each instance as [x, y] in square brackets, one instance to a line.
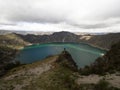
[104, 85]
[23, 67]
[59, 78]
[101, 85]
[86, 87]
[109, 63]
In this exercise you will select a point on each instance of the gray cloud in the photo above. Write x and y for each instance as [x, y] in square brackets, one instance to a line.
[91, 26]
[94, 14]
[20, 11]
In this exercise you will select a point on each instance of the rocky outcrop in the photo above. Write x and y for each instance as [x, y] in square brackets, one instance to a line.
[65, 59]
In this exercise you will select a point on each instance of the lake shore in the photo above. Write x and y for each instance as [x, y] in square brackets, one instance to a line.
[93, 45]
[97, 46]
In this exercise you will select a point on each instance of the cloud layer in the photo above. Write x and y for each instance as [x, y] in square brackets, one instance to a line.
[57, 15]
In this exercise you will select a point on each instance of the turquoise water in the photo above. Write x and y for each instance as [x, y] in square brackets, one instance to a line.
[83, 54]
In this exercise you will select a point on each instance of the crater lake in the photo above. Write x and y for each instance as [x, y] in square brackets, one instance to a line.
[83, 54]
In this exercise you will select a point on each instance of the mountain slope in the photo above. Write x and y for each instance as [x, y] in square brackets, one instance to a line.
[55, 37]
[102, 41]
[9, 45]
[48, 74]
[7, 56]
[12, 40]
[54, 73]
[110, 62]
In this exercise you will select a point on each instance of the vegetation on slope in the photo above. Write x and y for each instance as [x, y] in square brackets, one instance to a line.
[55, 37]
[9, 43]
[60, 74]
[53, 73]
[12, 41]
[110, 62]
[102, 41]
[101, 85]
[36, 76]
[59, 78]
[7, 56]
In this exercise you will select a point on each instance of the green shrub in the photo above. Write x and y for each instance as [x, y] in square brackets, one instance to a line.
[102, 85]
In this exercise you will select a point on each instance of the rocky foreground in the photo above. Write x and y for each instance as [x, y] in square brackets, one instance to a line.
[56, 73]
[60, 72]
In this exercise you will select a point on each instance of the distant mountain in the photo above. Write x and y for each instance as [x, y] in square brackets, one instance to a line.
[3, 32]
[103, 41]
[55, 37]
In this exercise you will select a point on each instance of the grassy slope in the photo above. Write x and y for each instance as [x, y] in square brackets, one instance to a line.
[6, 57]
[9, 44]
[110, 62]
[102, 41]
[40, 75]
[12, 41]
[49, 75]
[46, 75]
[55, 79]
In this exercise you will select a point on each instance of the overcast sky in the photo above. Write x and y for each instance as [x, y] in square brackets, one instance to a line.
[60, 15]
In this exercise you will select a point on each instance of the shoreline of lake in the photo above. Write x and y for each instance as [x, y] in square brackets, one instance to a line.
[66, 43]
[82, 53]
